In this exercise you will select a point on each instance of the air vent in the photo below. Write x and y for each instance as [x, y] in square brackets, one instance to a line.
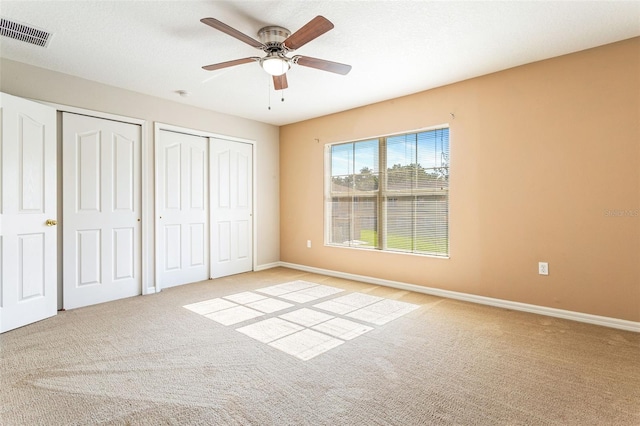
[23, 32]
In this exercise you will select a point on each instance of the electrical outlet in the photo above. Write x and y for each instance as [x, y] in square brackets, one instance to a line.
[308, 243]
[543, 268]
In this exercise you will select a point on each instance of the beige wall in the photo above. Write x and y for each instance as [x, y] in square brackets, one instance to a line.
[539, 154]
[36, 83]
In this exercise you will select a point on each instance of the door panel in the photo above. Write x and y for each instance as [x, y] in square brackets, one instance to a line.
[89, 257]
[224, 242]
[173, 247]
[232, 207]
[32, 170]
[124, 249]
[124, 172]
[244, 239]
[101, 201]
[87, 156]
[183, 214]
[28, 288]
[196, 239]
[31, 267]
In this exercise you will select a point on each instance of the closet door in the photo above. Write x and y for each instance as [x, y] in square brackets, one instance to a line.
[232, 207]
[28, 199]
[101, 210]
[182, 209]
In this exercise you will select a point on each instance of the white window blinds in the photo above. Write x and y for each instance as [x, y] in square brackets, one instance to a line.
[390, 193]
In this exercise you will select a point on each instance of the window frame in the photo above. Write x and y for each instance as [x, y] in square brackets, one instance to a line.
[382, 196]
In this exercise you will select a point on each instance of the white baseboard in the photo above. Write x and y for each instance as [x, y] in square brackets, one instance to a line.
[267, 266]
[516, 306]
[149, 290]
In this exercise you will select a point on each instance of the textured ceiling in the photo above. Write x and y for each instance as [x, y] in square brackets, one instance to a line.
[395, 47]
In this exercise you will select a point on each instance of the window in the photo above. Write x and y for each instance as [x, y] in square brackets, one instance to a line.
[390, 193]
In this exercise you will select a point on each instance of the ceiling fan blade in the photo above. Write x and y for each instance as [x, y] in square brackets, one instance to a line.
[322, 64]
[313, 29]
[280, 82]
[221, 26]
[227, 64]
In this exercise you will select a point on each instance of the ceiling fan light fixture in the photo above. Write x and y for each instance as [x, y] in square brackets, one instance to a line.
[275, 65]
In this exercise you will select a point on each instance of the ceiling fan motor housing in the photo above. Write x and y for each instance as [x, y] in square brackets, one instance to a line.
[273, 37]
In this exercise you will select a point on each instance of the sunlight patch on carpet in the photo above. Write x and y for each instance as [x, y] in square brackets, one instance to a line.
[303, 331]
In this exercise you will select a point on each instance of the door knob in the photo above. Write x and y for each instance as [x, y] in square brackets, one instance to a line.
[51, 222]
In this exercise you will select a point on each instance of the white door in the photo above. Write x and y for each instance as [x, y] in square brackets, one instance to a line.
[101, 210]
[182, 202]
[232, 207]
[28, 277]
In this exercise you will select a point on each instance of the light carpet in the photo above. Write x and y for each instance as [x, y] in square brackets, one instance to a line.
[150, 361]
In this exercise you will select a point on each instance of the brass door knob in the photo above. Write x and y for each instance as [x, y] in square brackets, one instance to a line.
[51, 222]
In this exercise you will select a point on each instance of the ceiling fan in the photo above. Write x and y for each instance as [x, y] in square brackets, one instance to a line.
[277, 42]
